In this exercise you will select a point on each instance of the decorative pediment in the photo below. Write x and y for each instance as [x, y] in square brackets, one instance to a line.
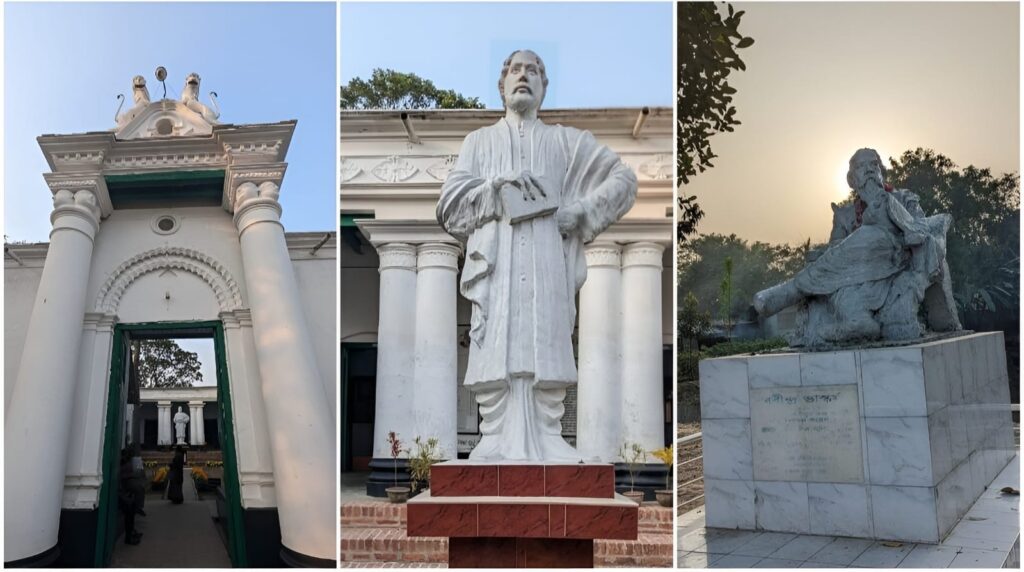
[165, 118]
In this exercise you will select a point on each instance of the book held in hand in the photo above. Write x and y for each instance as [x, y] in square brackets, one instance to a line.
[518, 207]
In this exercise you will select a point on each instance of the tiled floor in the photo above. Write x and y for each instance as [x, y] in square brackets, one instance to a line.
[984, 538]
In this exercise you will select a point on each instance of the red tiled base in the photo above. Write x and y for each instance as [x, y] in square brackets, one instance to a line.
[462, 479]
[429, 516]
[503, 552]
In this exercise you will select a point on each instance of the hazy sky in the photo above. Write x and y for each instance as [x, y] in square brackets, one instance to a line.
[824, 79]
[66, 62]
[596, 54]
[207, 359]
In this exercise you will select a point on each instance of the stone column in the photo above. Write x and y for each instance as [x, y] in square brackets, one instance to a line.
[643, 411]
[599, 393]
[396, 346]
[164, 431]
[298, 413]
[38, 421]
[195, 412]
[435, 377]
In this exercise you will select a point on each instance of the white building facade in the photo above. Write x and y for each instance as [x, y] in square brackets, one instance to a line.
[404, 325]
[170, 224]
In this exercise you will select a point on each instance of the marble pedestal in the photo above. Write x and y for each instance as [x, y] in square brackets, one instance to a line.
[888, 443]
[521, 515]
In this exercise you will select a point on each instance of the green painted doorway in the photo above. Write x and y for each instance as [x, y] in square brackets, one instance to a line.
[109, 515]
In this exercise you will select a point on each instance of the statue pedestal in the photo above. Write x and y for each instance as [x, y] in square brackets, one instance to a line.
[890, 443]
[522, 515]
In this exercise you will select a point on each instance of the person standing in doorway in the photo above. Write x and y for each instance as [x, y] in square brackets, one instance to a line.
[129, 498]
[177, 476]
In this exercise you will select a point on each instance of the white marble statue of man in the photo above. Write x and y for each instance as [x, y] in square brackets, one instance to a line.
[180, 421]
[525, 197]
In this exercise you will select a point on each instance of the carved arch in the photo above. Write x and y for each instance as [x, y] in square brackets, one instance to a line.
[213, 273]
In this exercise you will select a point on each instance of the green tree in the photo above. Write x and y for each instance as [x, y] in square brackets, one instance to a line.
[163, 363]
[389, 89]
[693, 323]
[690, 214]
[755, 266]
[706, 48]
[983, 244]
[725, 295]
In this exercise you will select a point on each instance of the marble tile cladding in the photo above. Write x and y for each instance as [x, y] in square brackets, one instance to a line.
[723, 388]
[939, 440]
[954, 373]
[519, 520]
[781, 506]
[936, 386]
[556, 523]
[729, 504]
[773, 370]
[461, 480]
[893, 382]
[968, 369]
[481, 552]
[839, 509]
[828, 368]
[954, 497]
[521, 480]
[569, 553]
[590, 481]
[958, 442]
[898, 451]
[904, 513]
[727, 452]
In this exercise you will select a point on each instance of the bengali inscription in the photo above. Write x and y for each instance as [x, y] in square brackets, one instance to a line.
[807, 434]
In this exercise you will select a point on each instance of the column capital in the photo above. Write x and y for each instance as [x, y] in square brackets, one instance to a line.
[438, 255]
[603, 254]
[196, 403]
[642, 254]
[75, 210]
[257, 203]
[397, 255]
[163, 403]
[242, 317]
[255, 175]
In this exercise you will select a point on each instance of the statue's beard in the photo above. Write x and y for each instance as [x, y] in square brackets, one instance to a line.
[522, 102]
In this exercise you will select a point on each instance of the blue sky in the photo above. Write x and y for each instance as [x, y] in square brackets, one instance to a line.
[596, 54]
[267, 62]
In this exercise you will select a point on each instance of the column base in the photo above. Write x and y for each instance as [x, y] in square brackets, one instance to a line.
[294, 559]
[650, 477]
[44, 559]
[382, 476]
[520, 553]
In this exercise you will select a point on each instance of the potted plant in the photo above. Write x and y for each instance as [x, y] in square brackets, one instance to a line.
[633, 454]
[159, 481]
[396, 494]
[420, 462]
[665, 455]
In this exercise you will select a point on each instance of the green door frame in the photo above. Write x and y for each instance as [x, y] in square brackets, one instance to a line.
[108, 509]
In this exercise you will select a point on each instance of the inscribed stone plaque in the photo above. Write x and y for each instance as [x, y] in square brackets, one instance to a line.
[807, 434]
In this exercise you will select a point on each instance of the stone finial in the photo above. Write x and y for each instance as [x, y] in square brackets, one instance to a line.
[190, 97]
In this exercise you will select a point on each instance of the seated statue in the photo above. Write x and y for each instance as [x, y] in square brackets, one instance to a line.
[885, 258]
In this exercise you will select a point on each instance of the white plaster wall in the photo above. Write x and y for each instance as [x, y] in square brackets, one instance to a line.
[20, 285]
[316, 278]
[128, 232]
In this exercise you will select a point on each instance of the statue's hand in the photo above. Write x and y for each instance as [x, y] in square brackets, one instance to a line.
[535, 184]
[569, 218]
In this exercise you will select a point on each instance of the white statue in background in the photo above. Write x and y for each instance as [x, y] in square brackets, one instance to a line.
[190, 97]
[525, 197]
[885, 258]
[140, 96]
[180, 422]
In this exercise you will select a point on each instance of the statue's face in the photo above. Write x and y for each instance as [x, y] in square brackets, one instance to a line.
[865, 166]
[524, 86]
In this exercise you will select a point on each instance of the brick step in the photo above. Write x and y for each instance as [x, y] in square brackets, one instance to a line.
[376, 514]
[390, 544]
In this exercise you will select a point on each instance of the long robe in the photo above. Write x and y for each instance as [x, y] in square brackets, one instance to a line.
[522, 279]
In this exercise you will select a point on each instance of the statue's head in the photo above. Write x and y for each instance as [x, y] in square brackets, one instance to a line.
[865, 165]
[138, 82]
[179, 409]
[523, 82]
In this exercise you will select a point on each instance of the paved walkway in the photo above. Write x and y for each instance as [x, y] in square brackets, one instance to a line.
[987, 537]
[175, 536]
